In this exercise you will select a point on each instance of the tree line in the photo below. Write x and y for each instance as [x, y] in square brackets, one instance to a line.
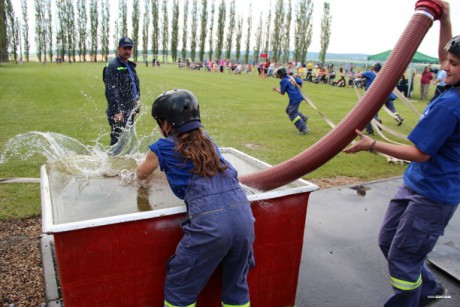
[80, 29]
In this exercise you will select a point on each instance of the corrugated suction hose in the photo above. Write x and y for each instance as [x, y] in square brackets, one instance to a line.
[426, 11]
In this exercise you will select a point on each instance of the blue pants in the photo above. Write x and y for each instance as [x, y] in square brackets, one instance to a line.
[391, 106]
[224, 237]
[297, 118]
[410, 230]
[118, 127]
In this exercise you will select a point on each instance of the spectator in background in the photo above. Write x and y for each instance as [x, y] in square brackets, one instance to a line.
[309, 71]
[122, 90]
[439, 82]
[351, 77]
[425, 81]
[403, 85]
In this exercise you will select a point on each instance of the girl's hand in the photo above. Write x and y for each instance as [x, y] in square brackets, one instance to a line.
[364, 143]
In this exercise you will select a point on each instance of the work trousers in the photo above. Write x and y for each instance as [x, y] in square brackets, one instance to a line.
[296, 117]
[117, 128]
[216, 238]
[410, 230]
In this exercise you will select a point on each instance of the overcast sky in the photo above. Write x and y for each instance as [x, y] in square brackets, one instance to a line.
[358, 26]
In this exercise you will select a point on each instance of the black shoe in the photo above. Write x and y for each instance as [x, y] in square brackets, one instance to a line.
[304, 132]
[369, 133]
[430, 300]
[399, 120]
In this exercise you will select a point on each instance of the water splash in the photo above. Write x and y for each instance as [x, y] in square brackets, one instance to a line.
[78, 159]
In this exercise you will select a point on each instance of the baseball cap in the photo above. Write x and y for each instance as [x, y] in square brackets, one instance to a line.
[125, 42]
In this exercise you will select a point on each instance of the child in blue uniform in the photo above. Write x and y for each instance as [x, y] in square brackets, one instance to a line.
[220, 224]
[424, 204]
[291, 86]
[389, 103]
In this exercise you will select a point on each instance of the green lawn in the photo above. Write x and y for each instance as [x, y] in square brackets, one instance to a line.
[238, 111]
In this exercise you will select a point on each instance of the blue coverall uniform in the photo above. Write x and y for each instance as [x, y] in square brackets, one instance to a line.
[219, 230]
[422, 208]
[295, 98]
[122, 93]
[370, 76]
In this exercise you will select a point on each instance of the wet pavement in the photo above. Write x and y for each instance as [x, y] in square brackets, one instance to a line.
[342, 264]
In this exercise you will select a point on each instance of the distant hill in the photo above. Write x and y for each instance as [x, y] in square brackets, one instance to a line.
[339, 56]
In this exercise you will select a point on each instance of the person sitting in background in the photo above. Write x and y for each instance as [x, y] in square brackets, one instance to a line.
[238, 69]
[340, 83]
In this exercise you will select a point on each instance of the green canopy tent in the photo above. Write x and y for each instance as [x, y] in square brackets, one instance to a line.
[418, 58]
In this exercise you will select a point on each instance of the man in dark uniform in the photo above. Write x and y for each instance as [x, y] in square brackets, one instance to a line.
[121, 90]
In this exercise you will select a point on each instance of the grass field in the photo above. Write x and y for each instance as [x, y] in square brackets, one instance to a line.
[239, 111]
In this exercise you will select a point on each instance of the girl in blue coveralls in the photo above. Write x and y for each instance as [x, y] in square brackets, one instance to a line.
[220, 228]
[424, 204]
[292, 86]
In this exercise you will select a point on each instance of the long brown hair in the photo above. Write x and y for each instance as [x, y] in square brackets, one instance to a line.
[196, 146]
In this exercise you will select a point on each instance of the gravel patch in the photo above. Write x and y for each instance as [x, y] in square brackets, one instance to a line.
[21, 273]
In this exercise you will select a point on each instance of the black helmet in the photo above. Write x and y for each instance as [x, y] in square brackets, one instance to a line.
[453, 46]
[281, 72]
[377, 67]
[180, 108]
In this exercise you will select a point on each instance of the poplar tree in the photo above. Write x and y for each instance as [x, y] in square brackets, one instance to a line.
[145, 29]
[267, 33]
[3, 33]
[40, 29]
[123, 18]
[165, 34]
[278, 31]
[239, 34]
[184, 31]
[13, 31]
[220, 29]
[303, 30]
[25, 29]
[94, 25]
[70, 29]
[194, 30]
[105, 20]
[61, 37]
[82, 19]
[211, 29]
[175, 30]
[326, 20]
[49, 29]
[204, 22]
[248, 35]
[258, 44]
[135, 28]
[287, 33]
[231, 30]
[155, 27]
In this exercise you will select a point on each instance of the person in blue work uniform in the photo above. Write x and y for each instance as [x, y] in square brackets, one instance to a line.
[291, 86]
[370, 77]
[220, 224]
[121, 90]
[421, 209]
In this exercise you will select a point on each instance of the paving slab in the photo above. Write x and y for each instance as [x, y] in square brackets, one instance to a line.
[342, 264]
